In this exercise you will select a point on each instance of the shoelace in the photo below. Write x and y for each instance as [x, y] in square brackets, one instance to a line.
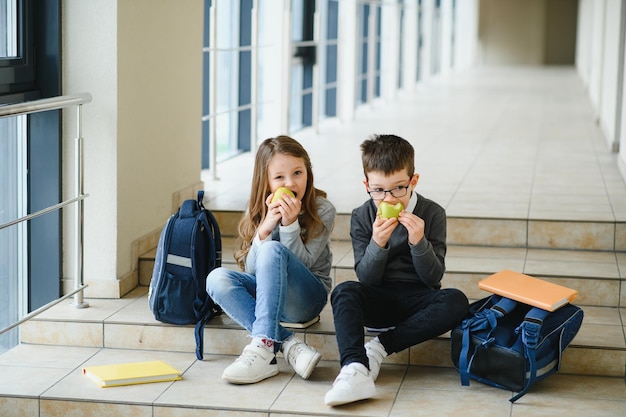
[247, 357]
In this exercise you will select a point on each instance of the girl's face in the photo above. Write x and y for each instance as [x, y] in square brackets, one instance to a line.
[287, 171]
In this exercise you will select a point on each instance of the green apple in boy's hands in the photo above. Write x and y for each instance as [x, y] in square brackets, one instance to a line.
[387, 211]
[280, 191]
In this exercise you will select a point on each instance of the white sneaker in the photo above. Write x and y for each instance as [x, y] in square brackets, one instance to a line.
[352, 384]
[255, 364]
[375, 353]
[301, 357]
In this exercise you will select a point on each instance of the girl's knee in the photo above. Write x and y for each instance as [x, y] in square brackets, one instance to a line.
[217, 281]
[269, 249]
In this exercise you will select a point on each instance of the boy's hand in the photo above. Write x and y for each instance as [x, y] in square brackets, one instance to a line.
[414, 225]
[382, 229]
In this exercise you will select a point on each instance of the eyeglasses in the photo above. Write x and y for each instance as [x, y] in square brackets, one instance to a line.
[396, 192]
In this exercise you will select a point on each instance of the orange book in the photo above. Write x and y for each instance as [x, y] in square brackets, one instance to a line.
[529, 290]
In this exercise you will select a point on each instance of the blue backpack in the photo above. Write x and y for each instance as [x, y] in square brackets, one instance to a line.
[512, 345]
[190, 246]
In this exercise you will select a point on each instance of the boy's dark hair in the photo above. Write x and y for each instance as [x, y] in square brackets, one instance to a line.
[387, 154]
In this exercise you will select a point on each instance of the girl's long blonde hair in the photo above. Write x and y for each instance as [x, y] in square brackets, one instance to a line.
[310, 222]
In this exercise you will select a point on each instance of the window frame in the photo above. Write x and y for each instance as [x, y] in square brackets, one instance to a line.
[17, 74]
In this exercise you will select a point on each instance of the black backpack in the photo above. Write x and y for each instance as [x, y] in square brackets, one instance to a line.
[190, 246]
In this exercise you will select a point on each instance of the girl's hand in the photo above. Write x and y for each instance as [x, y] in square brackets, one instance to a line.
[414, 225]
[271, 219]
[382, 229]
[289, 208]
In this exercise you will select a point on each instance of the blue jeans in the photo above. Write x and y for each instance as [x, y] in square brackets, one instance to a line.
[282, 289]
[418, 314]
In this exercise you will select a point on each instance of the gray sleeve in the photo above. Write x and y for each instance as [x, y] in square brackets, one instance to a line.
[310, 252]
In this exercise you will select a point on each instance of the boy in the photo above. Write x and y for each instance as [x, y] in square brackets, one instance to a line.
[399, 263]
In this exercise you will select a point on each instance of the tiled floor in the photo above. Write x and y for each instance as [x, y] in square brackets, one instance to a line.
[47, 381]
[491, 143]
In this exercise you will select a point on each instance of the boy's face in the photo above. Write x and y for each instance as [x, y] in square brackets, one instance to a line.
[377, 183]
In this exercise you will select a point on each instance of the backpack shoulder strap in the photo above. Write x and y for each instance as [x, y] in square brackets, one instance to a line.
[530, 330]
[484, 319]
[212, 228]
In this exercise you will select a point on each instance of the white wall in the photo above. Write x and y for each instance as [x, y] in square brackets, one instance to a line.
[141, 60]
[597, 53]
[609, 66]
[466, 34]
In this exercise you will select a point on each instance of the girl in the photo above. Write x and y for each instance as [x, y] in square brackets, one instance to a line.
[285, 260]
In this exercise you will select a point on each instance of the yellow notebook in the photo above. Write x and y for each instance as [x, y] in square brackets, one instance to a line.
[529, 290]
[131, 373]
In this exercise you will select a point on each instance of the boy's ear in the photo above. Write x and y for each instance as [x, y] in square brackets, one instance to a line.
[365, 183]
[414, 179]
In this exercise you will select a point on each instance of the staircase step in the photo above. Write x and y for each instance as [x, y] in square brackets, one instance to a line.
[598, 349]
[500, 232]
[595, 274]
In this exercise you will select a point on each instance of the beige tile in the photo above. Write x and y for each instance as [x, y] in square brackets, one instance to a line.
[326, 344]
[344, 274]
[42, 356]
[202, 387]
[580, 386]
[19, 407]
[434, 352]
[602, 315]
[465, 231]
[29, 381]
[571, 235]
[571, 263]
[595, 292]
[341, 231]
[468, 283]
[469, 402]
[77, 386]
[620, 234]
[310, 395]
[342, 253]
[536, 406]
[161, 337]
[487, 260]
[203, 412]
[56, 408]
[602, 362]
[600, 335]
[62, 333]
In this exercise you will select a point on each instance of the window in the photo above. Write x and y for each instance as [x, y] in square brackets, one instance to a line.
[30, 160]
[17, 72]
[369, 52]
[302, 64]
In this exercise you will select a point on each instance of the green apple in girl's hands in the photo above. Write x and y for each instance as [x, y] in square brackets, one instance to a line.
[387, 211]
[280, 191]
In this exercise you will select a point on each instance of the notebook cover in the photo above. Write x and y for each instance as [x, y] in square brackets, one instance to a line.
[131, 373]
[300, 325]
[529, 290]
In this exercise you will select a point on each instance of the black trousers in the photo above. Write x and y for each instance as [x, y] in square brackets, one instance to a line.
[418, 314]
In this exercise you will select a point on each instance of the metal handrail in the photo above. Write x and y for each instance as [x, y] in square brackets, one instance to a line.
[46, 104]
